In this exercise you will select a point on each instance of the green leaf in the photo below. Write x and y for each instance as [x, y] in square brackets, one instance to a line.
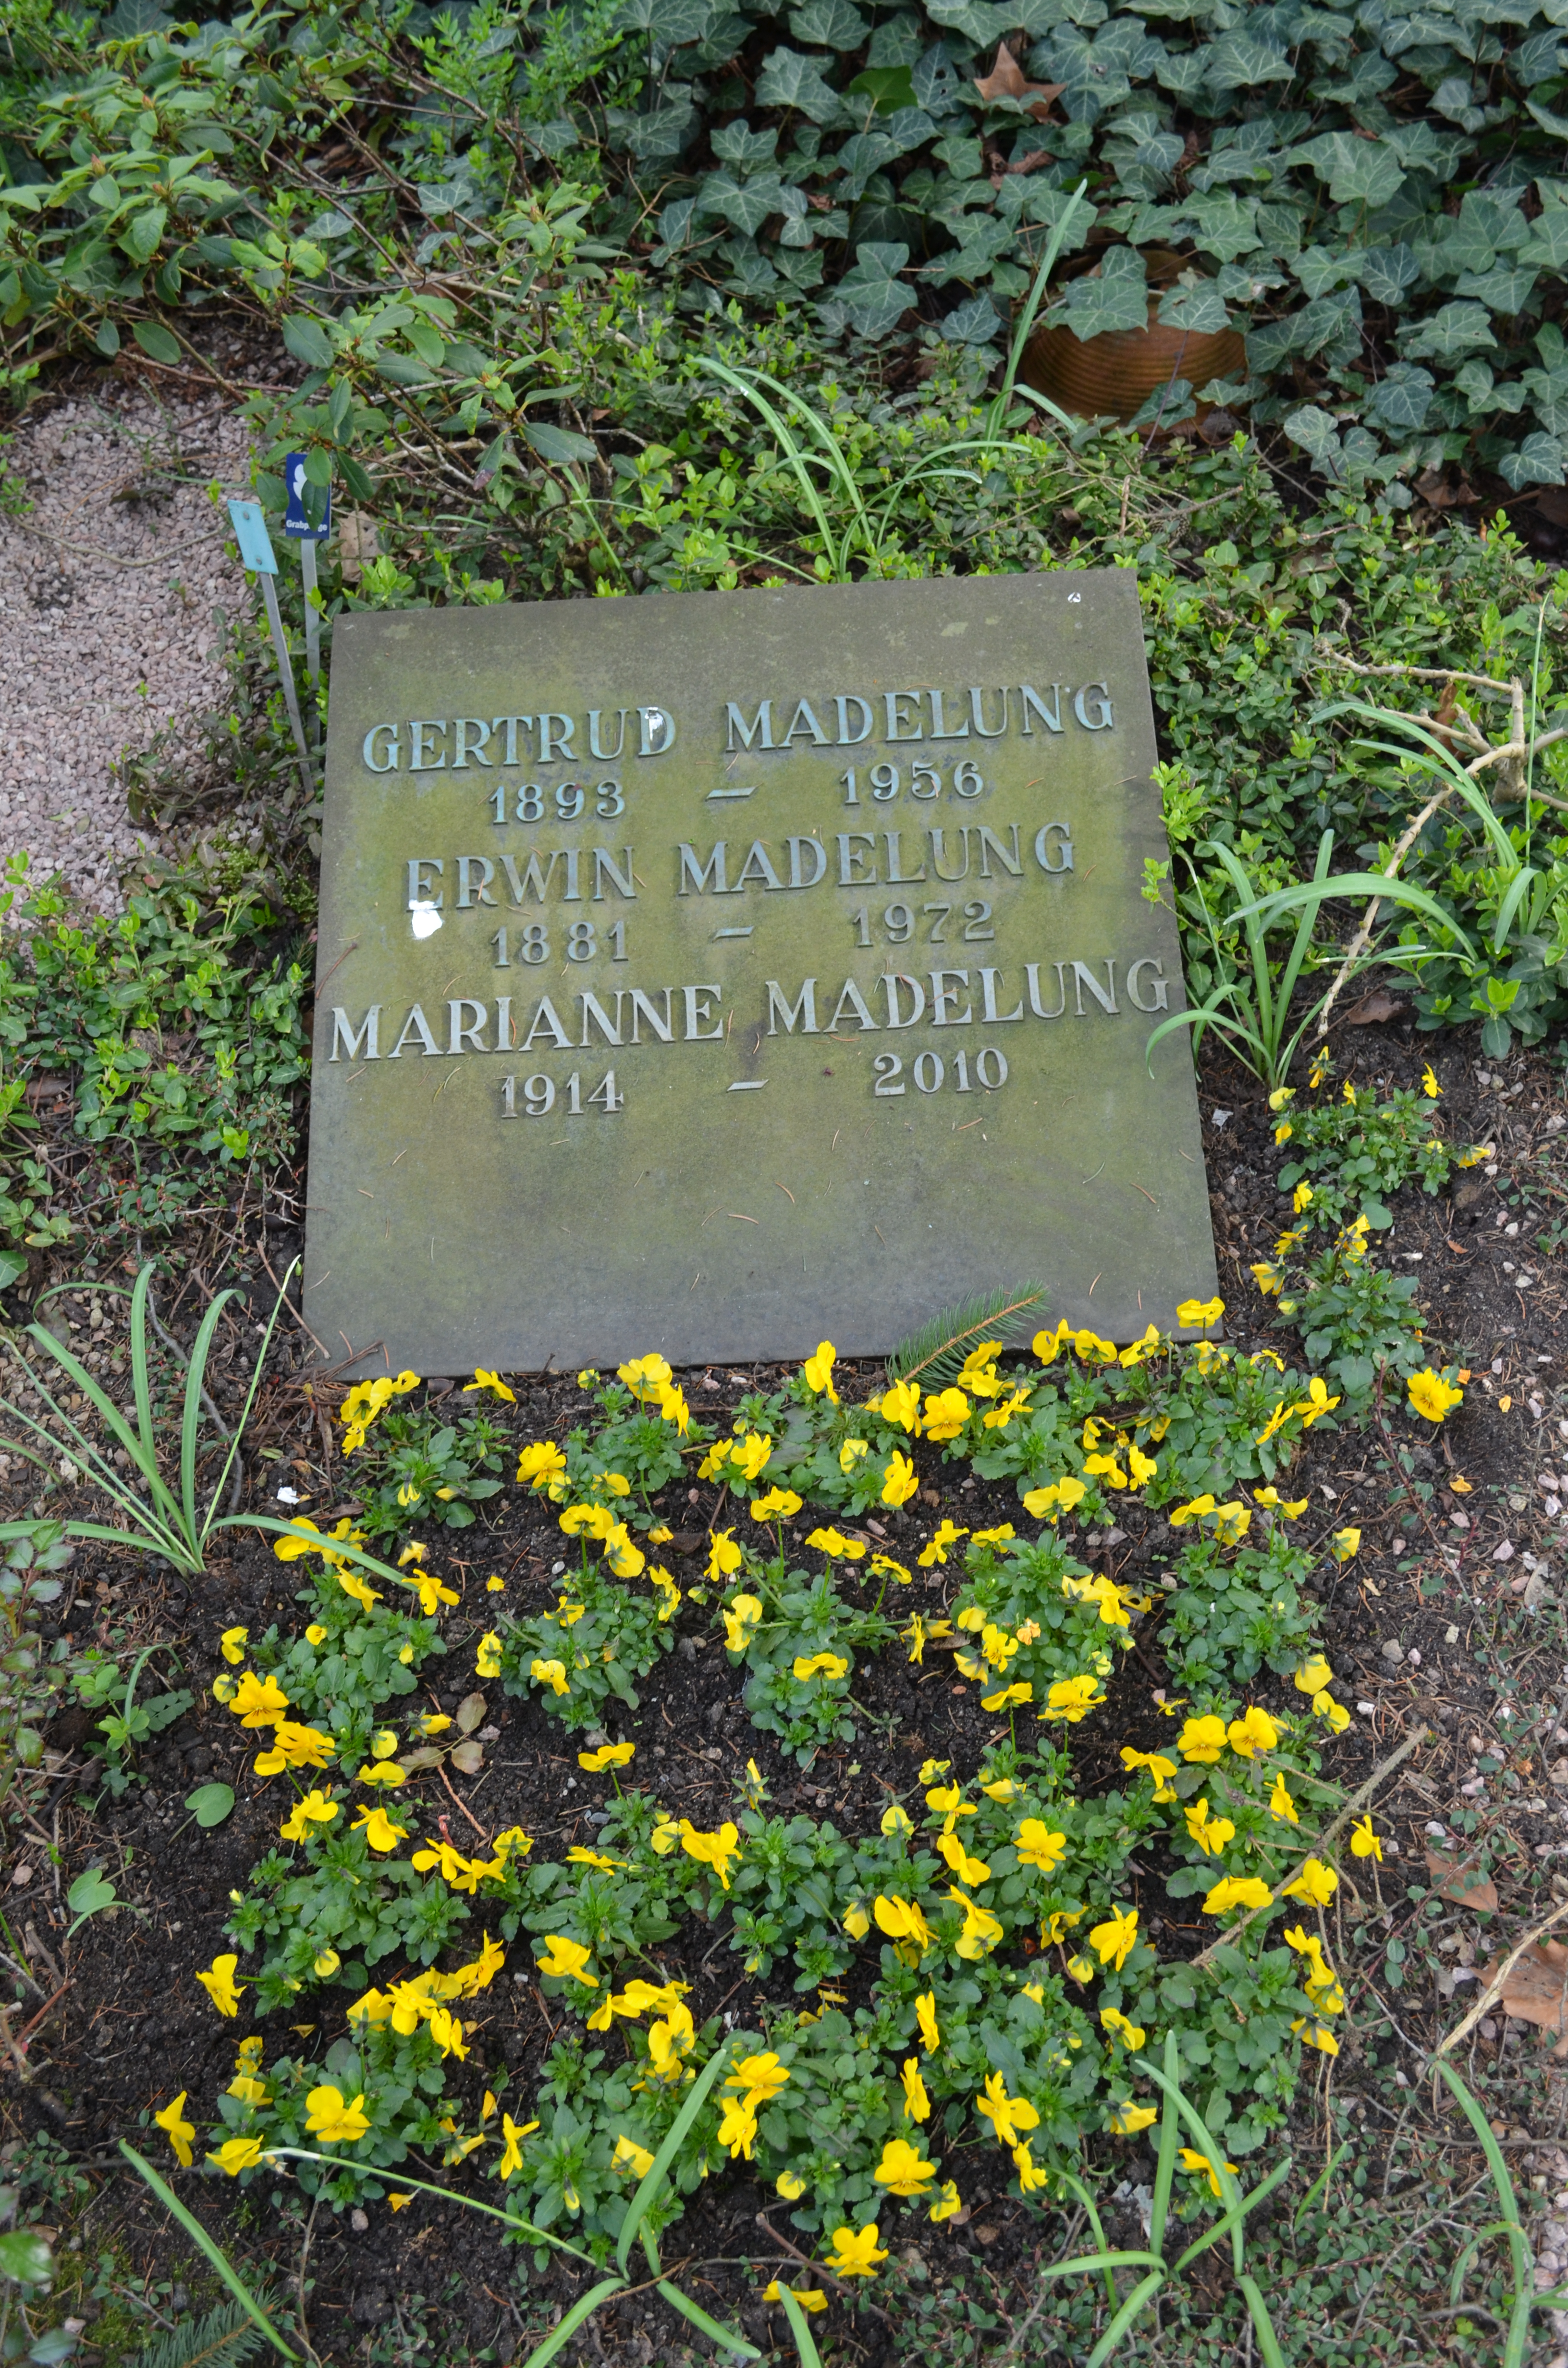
[830, 24]
[140, 236]
[307, 340]
[1452, 330]
[558, 444]
[1200, 311]
[13, 1266]
[211, 1804]
[1114, 297]
[887, 87]
[25, 2258]
[1538, 462]
[91, 1892]
[106, 337]
[1387, 271]
[790, 80]
[872, 297]
[155, 341]
[1356, 170]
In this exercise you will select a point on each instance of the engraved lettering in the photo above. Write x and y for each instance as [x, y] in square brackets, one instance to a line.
[895, 702]
[657, 728]
[605, 863]
[531, 877]
[797, 847]
[897, 877]
[702, 876]
[462, 1033]
[1049, 716]
[758, 868]
[592, 1009]
[850, 859]
[944, 999]
[759, 733]
[802, 1013]
[415, 1025]
[641, 1008]
[572, 894]
[1054, 840]
[511, 723]
[420, 889]
[851, 1002]
[941, 729]
[547, 1022]
[393, 747]
[939, 838]
[1031, 972]
[890, 984]
[555, 738]
[1084, 978]
[462, 728]
[991, 845]
[977, 714]
[606, 755]
[989, 1012]
[1158, 984]
[805, 720]
[363, 1044]
[697, 1011]
[1102, 703]
[844, 702]
[472, 891]
[418, 762]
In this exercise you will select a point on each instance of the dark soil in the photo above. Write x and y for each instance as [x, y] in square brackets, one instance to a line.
[1424, 1625]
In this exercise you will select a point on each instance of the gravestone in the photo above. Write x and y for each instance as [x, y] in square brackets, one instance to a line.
[716, 973]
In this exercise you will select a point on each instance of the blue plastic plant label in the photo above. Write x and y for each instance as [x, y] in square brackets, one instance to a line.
[299, 519]
[255, 547]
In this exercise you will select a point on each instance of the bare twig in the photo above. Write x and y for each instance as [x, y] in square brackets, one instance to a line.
[1462, 2029]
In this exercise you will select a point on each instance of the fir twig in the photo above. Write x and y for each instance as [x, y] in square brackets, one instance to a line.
[225, 2337]
[938, 1350]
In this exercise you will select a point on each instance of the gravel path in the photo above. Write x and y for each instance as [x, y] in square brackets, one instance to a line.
[107, 628]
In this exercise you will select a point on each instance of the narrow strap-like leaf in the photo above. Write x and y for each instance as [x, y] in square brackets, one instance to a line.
[213, 2250]
[191, 1421]
[1141, 2294]
[805, 2341]
[1267, 2341]
[654, 2178]
[572, 2322]
[713, 2328]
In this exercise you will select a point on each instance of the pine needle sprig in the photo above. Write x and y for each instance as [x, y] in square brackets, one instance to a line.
[225, 2337]
[937, 1352]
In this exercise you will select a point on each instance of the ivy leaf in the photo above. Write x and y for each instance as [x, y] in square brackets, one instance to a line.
[871, 296]
[1452, 330]
[1548, 392]
[1227, 225]
[1316, 431]
[1538, 462]
[307, 340]
[1556, 124]
[1401, 399]
[888, 87]
[1114, 297]
[1504, 289]
[737, 144]
[1199, 311]
[790, 80]
[1237, 61]
[980, 22]
[746, 204]
[1547, 245]
[1387, 271]
[1358, 171]
[975, 323]
[828, 24]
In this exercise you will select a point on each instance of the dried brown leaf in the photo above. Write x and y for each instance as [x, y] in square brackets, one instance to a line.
[1378, 1006]
[1461, 1882]
[469, 1757]
[1006, 80]
[471, 1712]
[1536, 1990]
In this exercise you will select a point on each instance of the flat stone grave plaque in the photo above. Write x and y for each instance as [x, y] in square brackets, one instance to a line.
[720, 972]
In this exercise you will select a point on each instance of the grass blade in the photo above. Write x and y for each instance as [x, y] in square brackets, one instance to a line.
[805, 2341]
[1267, 2341]
[1141, 2294]
[257, 1372]
[938, 1350]
[445, 2195]
[190, 1422]
[654, 2178]
[1233, 2218]
[572, 2322]
[213, 2250]
[711, 2327]
[1524, 2267]
[1170, 2135]
[148, 1458]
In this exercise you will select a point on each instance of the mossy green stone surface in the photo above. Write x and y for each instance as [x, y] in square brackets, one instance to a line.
[818, 1001]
